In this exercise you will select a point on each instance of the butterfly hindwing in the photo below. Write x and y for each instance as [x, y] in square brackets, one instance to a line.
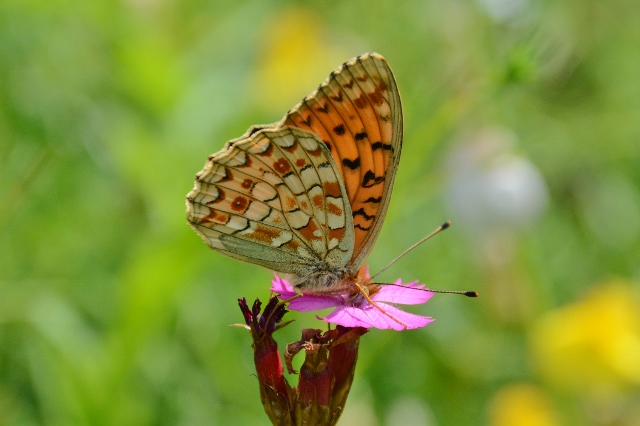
[274, 197]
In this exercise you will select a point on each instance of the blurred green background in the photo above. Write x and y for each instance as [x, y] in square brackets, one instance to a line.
[522, 126]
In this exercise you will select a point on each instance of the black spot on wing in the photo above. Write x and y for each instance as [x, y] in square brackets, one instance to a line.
[380, 145]
[351, 164]
[324, 108]
[361, 212]
[370, 179]
[362, 228]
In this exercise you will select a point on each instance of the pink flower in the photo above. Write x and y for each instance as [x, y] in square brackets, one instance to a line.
[357, 311]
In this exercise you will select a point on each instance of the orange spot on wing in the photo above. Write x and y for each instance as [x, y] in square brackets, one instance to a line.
[334, 209]
[264, 234]
[361, 101]
[336, 233]
[214, 217]
[376, 97]
[331, 189]
[290, 203]
[282, 166]
[316, 152]
[239, 204]
[292, 245]
[308, 232]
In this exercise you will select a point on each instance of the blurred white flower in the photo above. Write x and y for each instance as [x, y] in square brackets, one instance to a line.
[409, 410]
[492, 188]
[494, 194]
[504, 10]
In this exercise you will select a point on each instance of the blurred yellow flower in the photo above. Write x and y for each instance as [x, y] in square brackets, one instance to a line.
[296, 56]
[523, 405]
[593, 344]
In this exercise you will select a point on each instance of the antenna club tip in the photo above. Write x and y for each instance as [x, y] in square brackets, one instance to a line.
[471, 293]
[445, 225]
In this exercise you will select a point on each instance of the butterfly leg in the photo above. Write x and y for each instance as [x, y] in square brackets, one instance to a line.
[365, 294]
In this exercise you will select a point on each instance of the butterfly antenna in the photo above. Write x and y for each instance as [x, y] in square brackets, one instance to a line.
[464, 293]
[438, 230]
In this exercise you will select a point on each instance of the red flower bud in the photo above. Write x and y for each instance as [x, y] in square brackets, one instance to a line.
[325, 376]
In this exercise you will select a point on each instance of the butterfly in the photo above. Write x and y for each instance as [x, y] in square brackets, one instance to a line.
[307, 195]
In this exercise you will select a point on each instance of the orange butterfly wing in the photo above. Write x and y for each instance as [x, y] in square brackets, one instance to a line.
[358, 114]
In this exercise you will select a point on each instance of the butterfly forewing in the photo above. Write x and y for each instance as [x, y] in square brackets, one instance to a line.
[274, 198]
[357, 113]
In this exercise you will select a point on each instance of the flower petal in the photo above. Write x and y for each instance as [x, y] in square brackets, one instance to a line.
[314, 303]
[362, 314]
[305, 303]
[282, 287]
[405, 294]
[370, 317]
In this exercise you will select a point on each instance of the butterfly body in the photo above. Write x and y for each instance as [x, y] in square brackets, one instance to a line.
[307, 196]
